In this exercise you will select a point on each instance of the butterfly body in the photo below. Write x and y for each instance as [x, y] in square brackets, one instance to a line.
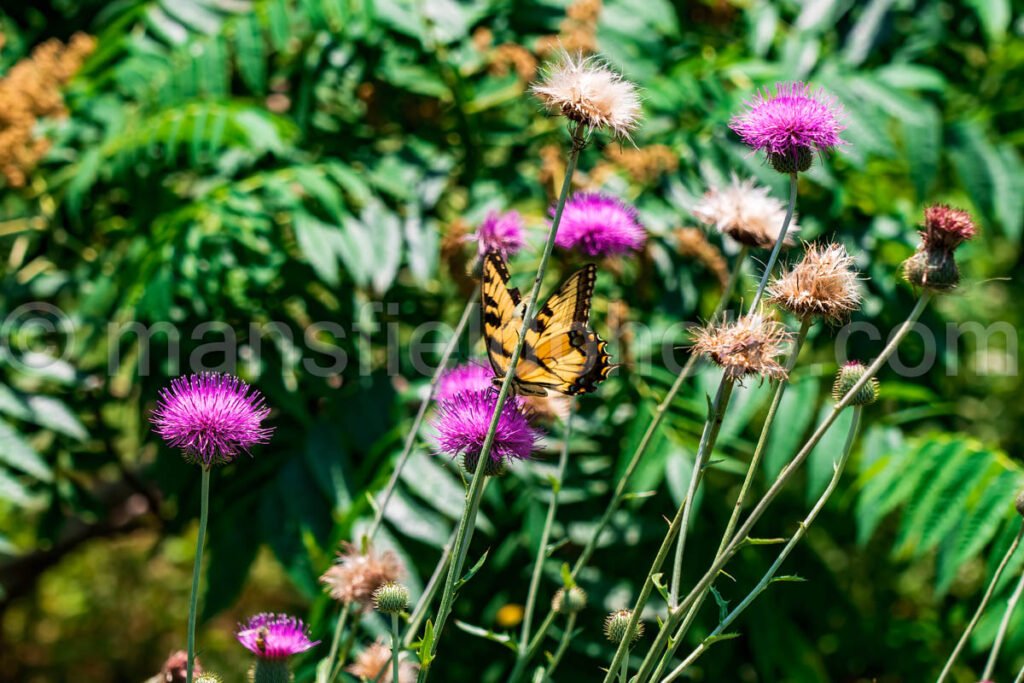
[560, 351]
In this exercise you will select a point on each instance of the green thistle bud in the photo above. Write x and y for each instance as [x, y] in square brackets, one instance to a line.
[616, 623]
[209, 678]
[569, 601]
[792, 162]
[933, 269]
[847, 377]
[492, 468]
[391, 598]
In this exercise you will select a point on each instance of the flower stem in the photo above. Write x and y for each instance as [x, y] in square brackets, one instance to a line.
[755, 462]
[465, 530]
[396, 647]
[624, 669]
[418, 614]
[204, 514]
[981, 606]
[620, 486]
[414, 430]
[739, 538]
[778, 243]
[837, 472]
[339, 628]
[712, 426]
[347, 644]
[1011, 604]
[545, 536]
[563, 645]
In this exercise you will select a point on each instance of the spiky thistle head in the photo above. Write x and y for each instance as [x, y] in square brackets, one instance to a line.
[462, 422]
[823, 283]
[946, 228]
[501, 232]
[745, 212]
[617, 623]
[356, 574]
[274, 636]
[747, 346]
[587, 91]
[599, 225]
[847, 378]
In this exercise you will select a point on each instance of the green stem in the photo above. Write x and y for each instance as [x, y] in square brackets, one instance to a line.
[1011, 605]
[739, 538]
[837, 472]
[563, 645]
[346, 646]
[204, 514]
[981, 606]
[624, 668]
[620, 486]
[414, 430]
[418, 614]
[778, 243]
[545, 536]
[466, 524]
[396, 648]
[712, 426]
[730, 527]
[339, 628]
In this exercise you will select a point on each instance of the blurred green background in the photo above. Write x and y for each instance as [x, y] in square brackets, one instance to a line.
[298, 161]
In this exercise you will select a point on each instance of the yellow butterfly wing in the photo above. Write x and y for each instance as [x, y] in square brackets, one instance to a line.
[560, 352]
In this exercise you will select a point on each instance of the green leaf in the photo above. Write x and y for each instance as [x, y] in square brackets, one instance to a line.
[472, 570]
[427, 644]
[53, 414]
[487, 634]
[995, 16]
[16, 452]
[316, 241]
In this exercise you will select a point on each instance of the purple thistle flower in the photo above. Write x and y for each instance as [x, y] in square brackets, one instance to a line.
[274, 636]
[463, 378]
[790, 124]
[212, 417]
[501, 232]
[599, 225]
[463, 420]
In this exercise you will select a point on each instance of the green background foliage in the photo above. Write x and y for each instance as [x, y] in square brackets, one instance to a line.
[292, 161]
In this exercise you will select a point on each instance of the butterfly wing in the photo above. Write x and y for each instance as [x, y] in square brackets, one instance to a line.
[501, 317]
[561, 352]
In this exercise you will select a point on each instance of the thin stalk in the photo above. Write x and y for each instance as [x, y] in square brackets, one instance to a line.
[339, 628]
[1011, 605]
[739, 538]
[396, 647]
[837, 472]
[755, 463]
[418, 614]
[414, 430]
[468, 521]
[563, 645]
[712, 426]
[624, 669]
[778, 243]
[204, 514]
[346, 646]
[545, 536]
[981, 606]
[620, 487]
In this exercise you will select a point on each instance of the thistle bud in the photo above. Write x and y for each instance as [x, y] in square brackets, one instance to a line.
[797, 161]
[569, 601]
[847, 377]
[494, 467]
[209, 678]
[933, 269]
[391, 598]
[616, 624]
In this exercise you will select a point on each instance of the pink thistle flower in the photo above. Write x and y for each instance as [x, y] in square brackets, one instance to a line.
[463, 420]
[274, 636]
[212, 417]
[790, 125]
[463, 378]
[947, 228]
[501, 232]
[599, 225]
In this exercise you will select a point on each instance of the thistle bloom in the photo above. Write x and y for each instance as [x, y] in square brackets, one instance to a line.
[586, 91]
[374, 664]
[212, 417]
[356, 575]
[745, 212]
[790, 125]
[946, 227]
[463, 420]
[823, 283]
[274, 636]
[501, 232]
[462, 378]
[934, 266]
[748, 346]
[599, 225]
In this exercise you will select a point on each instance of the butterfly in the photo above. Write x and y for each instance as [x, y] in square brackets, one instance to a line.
[560, 352]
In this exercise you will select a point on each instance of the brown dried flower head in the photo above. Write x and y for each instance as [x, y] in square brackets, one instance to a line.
[823, 283]
[746, 212]
[357, 575]
[375, 661]
[586, 90]
[946, 228]
[748, 346]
